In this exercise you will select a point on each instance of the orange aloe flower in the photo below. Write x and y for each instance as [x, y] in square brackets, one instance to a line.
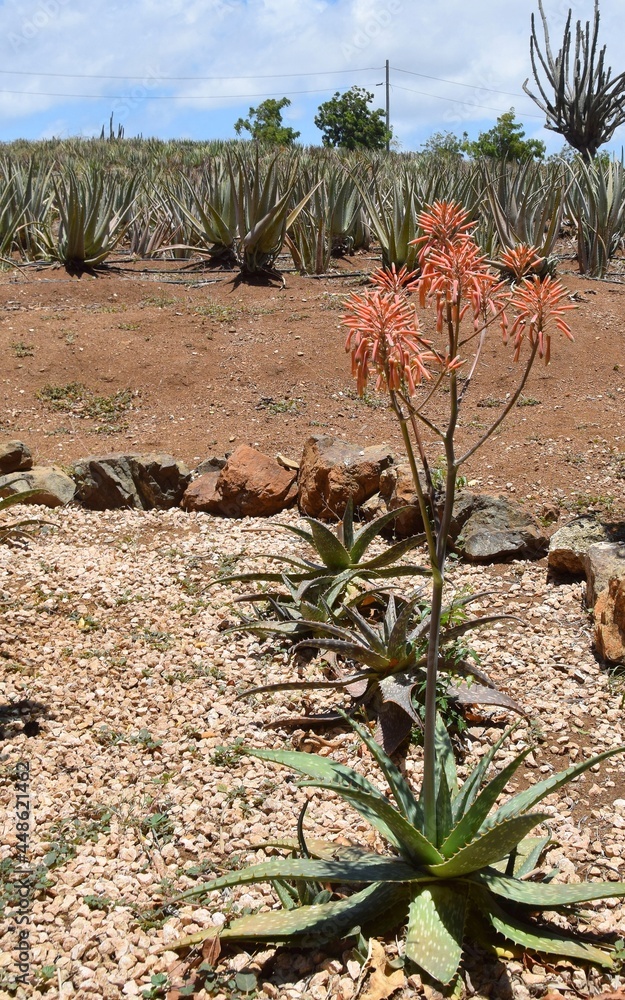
[384, 336]
[453, 273]
[538, 305]
[443, 222]
[394, 280]
[521, 260]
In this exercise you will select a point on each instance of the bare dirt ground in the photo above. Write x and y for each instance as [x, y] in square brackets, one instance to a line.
[161, 359]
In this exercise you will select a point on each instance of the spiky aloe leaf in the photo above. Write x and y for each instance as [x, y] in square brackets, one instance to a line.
[349, 650]
[488, 847]
[364, 537]
[324, 850]
[443, 809]
[395, 552]
[436, 923]
[397, 688]
[309, 925]
[367, 868]
[445, 759]
[466, 829]
[472, 785]
[546, 897]
[333, 553]
[402, 792]
[409, 841]
[527, 854]
[478, 694]
[540, 939]
[343, 682]
[397, 640]
[531, 796]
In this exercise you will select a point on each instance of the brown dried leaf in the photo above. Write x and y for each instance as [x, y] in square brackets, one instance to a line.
[383, 981]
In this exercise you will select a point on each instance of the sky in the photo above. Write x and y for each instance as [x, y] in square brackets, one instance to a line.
[191, 68]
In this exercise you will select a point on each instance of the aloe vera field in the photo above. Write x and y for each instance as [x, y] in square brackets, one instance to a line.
[162, 672]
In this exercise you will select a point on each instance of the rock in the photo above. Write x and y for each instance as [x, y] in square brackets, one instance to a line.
[202, 495]
[610, 622]
[603, 562]
[15, 456]
[141, 482]
[250, 484]
[213, 464]
[332, 471]
[488, 529]
[397, 490]
[569, 545]
[53, 487]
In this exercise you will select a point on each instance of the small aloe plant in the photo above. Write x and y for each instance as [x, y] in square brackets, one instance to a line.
[17, 529]
[390, 657]
[341, 554]
[473, 874]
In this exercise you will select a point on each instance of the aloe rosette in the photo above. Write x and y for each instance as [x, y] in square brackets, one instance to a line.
[469, 881]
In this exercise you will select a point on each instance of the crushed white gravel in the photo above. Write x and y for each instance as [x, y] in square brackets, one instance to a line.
[113, 659]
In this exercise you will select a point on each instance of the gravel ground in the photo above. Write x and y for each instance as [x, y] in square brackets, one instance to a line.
[119, 691]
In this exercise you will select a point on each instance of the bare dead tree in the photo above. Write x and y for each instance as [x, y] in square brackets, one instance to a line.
[587, 105]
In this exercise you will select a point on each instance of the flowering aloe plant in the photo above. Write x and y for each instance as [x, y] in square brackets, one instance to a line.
[472, 873]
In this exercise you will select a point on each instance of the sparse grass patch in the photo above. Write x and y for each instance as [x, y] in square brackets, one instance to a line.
[22, 350]
[77, 399]
[275, 406]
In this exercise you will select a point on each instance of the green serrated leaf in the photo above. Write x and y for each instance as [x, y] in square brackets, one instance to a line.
[333, 553]
[365, 536]
[488, 847]
[472, 785]
[549, 896]
[541, 939]
[467, 827]
[436, 929]
[531, 796]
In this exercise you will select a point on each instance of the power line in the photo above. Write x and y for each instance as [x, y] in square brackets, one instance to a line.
[165, 97]
[176, 79]
[452, 100]
[455, 83]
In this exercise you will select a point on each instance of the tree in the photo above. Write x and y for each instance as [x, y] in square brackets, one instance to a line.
[505, 141]
[264, 123]
[587, 105]
[347, 121]
[444, 145]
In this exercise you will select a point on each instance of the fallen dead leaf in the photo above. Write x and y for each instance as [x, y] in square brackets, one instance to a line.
[383, 981]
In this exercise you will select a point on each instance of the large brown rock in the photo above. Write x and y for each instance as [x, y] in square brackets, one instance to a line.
[610, 622]
[250, 484]
[53, 488]
[202, 495]
[332, 471]
[397, 490]
[15, 456]
[603, 562]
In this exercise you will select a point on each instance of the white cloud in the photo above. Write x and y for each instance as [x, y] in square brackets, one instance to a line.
[241, 42]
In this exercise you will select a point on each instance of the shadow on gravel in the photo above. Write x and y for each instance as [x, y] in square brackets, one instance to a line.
[21, 717]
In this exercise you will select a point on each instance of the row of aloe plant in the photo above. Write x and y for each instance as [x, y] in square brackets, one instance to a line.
[243, 206]
[461, 865]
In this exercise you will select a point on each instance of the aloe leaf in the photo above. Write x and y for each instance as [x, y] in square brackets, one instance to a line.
[531, 796]
[402, 792]
[260, 575]
[333, 553]
[488, 847]
[339, 777]
[546, 896]
[346, 528]
[397, 640]
[313, 925]
[443, 809]
[528, 854]
[349, 650]
[365, 536]
[371, 634]
[343, 682]
[395, 552]
[467, 827]
[384, 817]
[367, 868]
[473, 783]
[540, 939]
[323, 850]
[446, 761]
[397, 688]
[436, 922]
[15, 498]
[285, 893]
[478, 694]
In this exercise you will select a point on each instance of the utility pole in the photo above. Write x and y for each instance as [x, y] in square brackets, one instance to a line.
[388, 104]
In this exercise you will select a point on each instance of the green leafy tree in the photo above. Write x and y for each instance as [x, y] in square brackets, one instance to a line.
[505, 141]
[444, 145]
[264, 123]
[347, 121]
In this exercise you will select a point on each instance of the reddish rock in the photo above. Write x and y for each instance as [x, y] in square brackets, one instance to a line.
[397, 490]
[332, 471]
[250, 485]
[201, 494]
[610, 622]
[15, 456]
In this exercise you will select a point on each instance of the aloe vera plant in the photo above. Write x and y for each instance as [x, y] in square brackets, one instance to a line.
[341, 554]
[467, 873]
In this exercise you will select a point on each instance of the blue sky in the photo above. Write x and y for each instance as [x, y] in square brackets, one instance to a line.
[455, 65]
